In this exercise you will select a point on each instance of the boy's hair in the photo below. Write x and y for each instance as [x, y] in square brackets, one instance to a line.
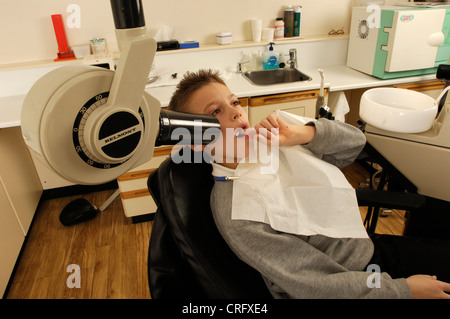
[190, 83]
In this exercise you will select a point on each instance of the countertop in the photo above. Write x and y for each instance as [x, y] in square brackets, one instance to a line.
[10, 107]
[337, 78]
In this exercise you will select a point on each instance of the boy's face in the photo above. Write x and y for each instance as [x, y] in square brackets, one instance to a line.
[216, 99]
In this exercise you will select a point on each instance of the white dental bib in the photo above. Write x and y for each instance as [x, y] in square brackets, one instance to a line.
[304, 196]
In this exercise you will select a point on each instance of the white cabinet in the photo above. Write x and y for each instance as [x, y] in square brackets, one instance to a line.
[136, 199]
[11, 238]
[300, 103]
[20, 192]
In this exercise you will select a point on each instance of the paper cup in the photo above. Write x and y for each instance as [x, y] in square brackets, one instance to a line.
[268, 34]
[256, 29]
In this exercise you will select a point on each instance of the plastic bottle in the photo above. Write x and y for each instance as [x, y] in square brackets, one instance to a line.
[297, 20]
[258, 60]
[270, 58]
[289, 22]
[279, 29]
[246, 62]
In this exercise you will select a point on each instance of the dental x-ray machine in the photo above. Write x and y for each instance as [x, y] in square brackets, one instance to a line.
[91, 125]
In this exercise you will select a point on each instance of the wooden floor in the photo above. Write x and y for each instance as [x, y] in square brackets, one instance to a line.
[110, 250]
[391, 224]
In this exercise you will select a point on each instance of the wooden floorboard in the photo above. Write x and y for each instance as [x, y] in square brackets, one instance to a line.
[110, 250]
[391, 224]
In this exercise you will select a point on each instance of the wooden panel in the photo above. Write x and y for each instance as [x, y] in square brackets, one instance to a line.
[424, 86]
[135, 193]
[302, 107]
[162, 151]
[283, 98]
[243, 101]
[135, 175]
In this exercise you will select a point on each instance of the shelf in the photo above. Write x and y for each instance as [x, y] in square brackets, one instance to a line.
[247, 44]
[203, 47]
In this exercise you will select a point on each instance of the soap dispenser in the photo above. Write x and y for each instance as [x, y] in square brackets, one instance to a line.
[270, 58]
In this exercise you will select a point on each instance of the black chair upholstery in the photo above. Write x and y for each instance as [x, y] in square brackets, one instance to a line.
[188, 257]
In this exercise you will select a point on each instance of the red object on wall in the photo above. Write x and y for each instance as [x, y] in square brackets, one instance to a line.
[65, 53]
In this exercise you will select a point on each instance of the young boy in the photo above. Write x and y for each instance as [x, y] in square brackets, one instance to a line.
[292, 243]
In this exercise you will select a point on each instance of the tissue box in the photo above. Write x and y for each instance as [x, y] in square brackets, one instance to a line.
[224, 37]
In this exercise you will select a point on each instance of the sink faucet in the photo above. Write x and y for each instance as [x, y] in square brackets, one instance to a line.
[292, 58]
[240, 64]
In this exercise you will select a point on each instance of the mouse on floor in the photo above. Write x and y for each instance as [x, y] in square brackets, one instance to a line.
[77, 211]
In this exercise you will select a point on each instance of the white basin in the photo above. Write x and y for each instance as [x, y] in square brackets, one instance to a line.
[398, 110]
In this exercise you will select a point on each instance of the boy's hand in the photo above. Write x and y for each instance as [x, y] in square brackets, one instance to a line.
[272, 129]
[428, 287]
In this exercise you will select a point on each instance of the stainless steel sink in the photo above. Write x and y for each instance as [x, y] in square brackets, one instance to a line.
[275, 76]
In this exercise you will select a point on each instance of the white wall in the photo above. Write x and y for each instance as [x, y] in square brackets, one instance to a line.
[26, 30]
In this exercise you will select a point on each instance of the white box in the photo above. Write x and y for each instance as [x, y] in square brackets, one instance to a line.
[224, 37]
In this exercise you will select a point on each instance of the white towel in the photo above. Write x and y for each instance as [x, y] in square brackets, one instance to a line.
[338, 105]
[304, 196]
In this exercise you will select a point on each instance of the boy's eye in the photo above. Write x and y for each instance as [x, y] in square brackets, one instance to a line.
[215, 112]
[236, 103]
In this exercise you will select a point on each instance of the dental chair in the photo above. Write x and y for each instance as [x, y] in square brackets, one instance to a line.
[188, 259]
